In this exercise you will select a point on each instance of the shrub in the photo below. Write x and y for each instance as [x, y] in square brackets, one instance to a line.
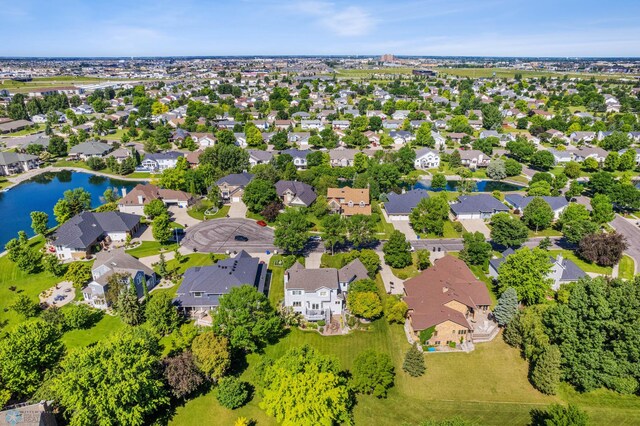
[232, 392]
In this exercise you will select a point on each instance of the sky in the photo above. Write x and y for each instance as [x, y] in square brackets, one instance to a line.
[562, 28]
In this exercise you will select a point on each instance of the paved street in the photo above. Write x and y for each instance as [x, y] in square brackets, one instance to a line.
[631, 231]
[217, 236]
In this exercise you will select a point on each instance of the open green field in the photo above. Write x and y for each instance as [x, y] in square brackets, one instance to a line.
[510, 73]
[44, 82]
[108, 325]
[372, 73]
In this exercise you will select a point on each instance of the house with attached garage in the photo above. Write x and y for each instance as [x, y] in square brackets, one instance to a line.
[12, 163]
[392, 124]
[202, 286]
[520, 202]
[427, 158]
[349, 201]
[112, 262]
[481, 206]
[401, 137]
[594, 152]
[581, 137]
[295, 194]
[560, 157]
[142, 194]
[399, 206]
[232, 186]
[299, 157]
[257, 156]
[90, 149]
[448, 305]
[311, 124]
[318, 294]
[472, 158]
[78, 237]
[158, 162]
[562, 270]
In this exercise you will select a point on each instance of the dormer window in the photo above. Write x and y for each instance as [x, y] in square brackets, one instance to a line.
[350, 203]
[197, 294]
[361, 203]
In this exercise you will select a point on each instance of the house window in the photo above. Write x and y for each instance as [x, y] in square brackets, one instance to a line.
[361, 203]
[197, 294]
[315, 306]
[323, 293]
[437, 342]
[296, 292]
[297, 304]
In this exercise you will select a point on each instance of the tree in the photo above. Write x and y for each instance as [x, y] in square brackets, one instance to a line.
[272, 210]
[24, 306]
[439, 181]
[396, 310]
[364, 304]
[601, 209]
[612, 162]
[122, 368]
[538, 214]
[414, 362]
[39, 222]
[74, 202]
[155, 208]
[232, 392]
[161, 228]
[572, 169]
[303, 387]
[334, 231]
[576, 230]
[78, 317]
[512, 167]
[161, 314]
[424, 136]
[430, 213]
[26, 353]
[372, 373]
[291, 234]
[540, 188]
[212, 354]
[19, 251]
[545, 375]
[497, 170]
[361, 230]
[369, 259]
[52, 264]
[397, 251]
[78, 273]
[181, 374]
[258, 193]
[604, 249]
[627, 160]
[507, 307]
[616, 141]
[246, 318]
[491, 117]
[557, 415]
[573, 212]
[543, 160]
[590, 164]
[476, 251]
[57, 146]
[454, 160]
[423, 259]
[128, 307]
[162, 266]
[508, 231]
[526, 271]
[575, 189]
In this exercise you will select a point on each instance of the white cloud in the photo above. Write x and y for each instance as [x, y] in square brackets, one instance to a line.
[352, 21]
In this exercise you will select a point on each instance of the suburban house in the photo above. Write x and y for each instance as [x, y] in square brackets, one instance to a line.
[349, 201]
[448, 305]
[159, 162]
[299, 157]
[427, 158]
[12, 163]
[594, 152]
[317, 294]
[399, 206]
[562, 270]
[77, 237]
[295, 194]
[14, 126]
[232, 186]
[560, 157]
[90, 149]
[116, 262]
[203, 286]
[519, 202]
[257, 156]
[481, 206]
[143, 194]
[472, 158]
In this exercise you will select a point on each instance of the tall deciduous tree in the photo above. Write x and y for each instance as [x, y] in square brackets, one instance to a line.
[161, 314]
[526, 271]
[508, 231]
[181, 374]
[291, 234]
[212, 354]
[476, 249]
[258, 193]
[538, 214]
[334, 230]
[373, 373]
[397, 252]
[603, 248]
[361, 230]
[39, 222]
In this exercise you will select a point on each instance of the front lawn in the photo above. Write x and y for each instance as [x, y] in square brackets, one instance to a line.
[198, 213]
[449, 232]
[626, 268]
[549, 232]
[408, 271]
[582, 264]
[150, 248]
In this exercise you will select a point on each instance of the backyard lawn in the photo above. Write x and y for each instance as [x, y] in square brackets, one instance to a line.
[108, 325]
[584, 265]
[276, 285]
[626, 268]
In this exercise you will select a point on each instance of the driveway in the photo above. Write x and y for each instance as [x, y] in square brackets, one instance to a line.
[388, 278]
[181, 216]
[313, 260]
[405, 227]
[631, 231]
[476, 225]
[217, 236]
[238, 210]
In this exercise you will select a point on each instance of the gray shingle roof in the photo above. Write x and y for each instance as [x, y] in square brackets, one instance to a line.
[236, 179]
[482, 203]
[520, 202]
[7, 158]
[90, 148]
[404, 203]
[301, 190]
[82, 230]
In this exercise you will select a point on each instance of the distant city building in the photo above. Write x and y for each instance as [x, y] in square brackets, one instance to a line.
[387, 58]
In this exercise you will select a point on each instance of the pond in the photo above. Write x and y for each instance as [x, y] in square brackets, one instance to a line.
[481, 186]
[42, 192]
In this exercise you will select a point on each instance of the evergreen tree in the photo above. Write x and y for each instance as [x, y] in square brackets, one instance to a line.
[507, 307]
[145, 289]
[545, 375]
[414, 362]
[162, 266]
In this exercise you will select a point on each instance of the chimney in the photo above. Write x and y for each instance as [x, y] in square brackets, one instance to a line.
[445, 289]
[123, 191]
[140, 199]
[560, 260]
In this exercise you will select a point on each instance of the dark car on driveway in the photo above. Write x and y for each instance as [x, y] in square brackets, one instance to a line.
[240, 238]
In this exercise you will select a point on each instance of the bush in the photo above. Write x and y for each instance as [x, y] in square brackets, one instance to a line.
[457, 226]
[322, 323]
[232, 392]
[80, 317]
[373, 373]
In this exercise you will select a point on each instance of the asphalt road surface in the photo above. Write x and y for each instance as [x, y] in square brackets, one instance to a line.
[217, 236]
[632, 233]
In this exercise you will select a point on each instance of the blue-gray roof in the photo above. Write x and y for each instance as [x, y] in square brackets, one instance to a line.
[169, 155]
[404, 203]
[217, 280]
[482, 203]
[296, 153]
[520, 202]
[84, 229]
[236, 179]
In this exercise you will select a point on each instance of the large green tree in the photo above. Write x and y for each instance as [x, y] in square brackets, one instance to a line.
[538, 214]
[334, 230]
[291, 233]
[161, 314]
[476, 250]
[508, 231]
[258, 193]
[39, 222]
[212, 354]
[372, 373]
[430, 213]
[526, 271]
[396, 251]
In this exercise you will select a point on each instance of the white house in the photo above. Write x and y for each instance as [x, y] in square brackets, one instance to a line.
[159, 162]
[427, 158]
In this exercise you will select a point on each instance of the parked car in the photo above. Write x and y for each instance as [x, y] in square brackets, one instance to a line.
[240, 238]
[261, 223]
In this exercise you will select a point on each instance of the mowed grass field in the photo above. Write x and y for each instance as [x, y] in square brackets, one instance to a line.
[510, 73]
[44, 82]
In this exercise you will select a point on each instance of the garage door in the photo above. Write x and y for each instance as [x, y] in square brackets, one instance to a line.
[235, 199]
